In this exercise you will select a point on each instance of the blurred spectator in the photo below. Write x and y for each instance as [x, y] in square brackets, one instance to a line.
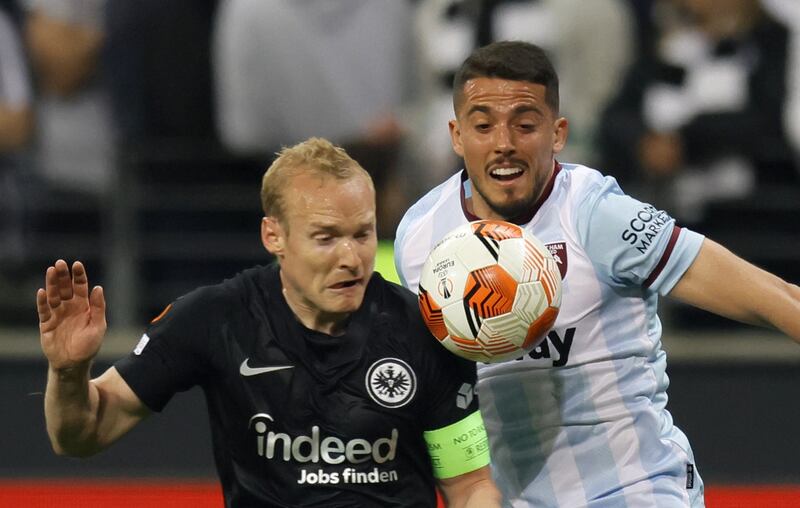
[74, 134]
[341, 69]
[158, 61]
[788, 11]
[591, 44]
[699, 119]
[16, 124]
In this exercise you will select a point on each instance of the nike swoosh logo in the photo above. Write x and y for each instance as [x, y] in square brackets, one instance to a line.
[247, 370]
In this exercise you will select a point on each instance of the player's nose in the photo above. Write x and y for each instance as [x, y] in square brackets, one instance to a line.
[503, 140]
[348, 254]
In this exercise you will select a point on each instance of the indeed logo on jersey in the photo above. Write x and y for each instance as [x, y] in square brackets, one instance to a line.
[315, 448]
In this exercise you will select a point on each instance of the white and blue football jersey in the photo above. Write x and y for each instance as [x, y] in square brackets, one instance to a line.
[581, 420]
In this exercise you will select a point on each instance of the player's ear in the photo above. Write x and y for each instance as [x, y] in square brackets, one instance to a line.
[273, 236]
[560, 131]
[455, 137]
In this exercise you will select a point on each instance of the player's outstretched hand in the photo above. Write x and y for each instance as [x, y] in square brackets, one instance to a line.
[72, 320]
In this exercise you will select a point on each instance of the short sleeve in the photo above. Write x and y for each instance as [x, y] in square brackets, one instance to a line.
[173, 354]
[453, 429]
[632, 243]
[451, 387]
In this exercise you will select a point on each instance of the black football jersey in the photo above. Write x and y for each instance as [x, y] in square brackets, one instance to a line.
[301, 418]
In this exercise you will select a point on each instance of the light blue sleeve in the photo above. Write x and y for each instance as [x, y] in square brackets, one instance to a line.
[408, 269]
[398, 249]
[631, 243]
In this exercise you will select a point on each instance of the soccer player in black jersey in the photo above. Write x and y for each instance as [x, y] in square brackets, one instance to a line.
[324, 388]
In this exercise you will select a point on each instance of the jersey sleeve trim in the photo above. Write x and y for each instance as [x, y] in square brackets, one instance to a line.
[684, 253]
[673, 239]
[458, 448]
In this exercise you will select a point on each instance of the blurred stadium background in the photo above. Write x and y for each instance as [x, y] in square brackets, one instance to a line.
[172, 203]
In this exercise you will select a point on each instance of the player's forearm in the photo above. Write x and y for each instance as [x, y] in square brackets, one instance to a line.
[71, 411]
[483, 496]
[479, 494]
[771, 302]
[786, 316]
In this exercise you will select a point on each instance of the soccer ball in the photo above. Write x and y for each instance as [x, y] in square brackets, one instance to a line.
[490, 291]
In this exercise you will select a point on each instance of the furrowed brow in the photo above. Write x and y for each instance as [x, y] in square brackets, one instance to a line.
[324, 227]
[520, 110]
[478, 109]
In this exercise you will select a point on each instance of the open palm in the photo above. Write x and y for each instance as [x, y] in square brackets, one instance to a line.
[72, 321]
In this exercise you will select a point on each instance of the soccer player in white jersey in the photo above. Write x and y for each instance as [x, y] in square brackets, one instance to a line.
[581, 420]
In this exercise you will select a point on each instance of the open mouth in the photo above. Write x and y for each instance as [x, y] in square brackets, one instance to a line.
[345, 284]
[506, 174]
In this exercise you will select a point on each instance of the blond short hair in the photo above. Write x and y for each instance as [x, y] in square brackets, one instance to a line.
[316, 156]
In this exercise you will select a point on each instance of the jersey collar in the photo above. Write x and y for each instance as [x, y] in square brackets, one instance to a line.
[521, 219]
[297, 341]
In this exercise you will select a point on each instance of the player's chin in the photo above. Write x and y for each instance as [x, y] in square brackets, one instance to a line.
[511, 206]
[346, 299]
[343, 309]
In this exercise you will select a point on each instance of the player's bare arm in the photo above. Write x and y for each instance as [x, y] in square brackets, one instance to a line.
[471, 490]
[723, 283]
[83, 416]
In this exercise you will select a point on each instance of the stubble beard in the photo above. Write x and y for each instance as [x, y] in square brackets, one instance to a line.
[510, 209]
